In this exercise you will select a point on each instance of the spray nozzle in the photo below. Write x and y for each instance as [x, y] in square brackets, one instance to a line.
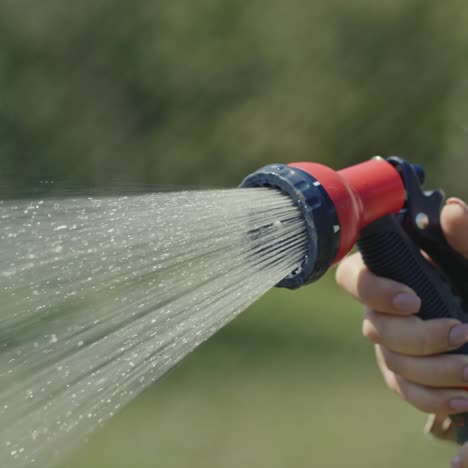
[381, 205]
[335, 205]
[319, 214]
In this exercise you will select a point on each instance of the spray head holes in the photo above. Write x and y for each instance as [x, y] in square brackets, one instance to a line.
[318, 211]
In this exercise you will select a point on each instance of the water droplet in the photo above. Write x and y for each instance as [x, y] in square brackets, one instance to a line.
[277, 224]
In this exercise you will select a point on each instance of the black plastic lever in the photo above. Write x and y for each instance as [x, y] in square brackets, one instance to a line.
[391, 247]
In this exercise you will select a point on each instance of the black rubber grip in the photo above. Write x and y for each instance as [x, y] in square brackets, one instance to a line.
[388, 251]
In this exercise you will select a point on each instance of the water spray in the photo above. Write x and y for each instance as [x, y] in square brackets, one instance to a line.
[102, 296]
[380, 205]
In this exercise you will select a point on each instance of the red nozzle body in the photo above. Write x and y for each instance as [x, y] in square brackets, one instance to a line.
[361, 194]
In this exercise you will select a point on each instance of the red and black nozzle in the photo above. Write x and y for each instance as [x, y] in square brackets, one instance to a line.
[381, 206]
[336, 205]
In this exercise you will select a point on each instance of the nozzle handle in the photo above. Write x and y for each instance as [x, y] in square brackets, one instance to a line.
[388, 251]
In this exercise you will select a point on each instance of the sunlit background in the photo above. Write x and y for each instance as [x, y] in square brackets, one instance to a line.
[118, 95]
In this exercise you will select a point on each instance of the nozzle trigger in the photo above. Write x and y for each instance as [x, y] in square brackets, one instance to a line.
[421, 220]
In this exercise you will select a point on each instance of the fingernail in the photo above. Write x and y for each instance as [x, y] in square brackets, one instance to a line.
[407, 303]
[458, 335]
[457, 201]
[456, 462]
[459, 404]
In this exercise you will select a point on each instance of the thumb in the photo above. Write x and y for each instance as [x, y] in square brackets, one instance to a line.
[454, 219]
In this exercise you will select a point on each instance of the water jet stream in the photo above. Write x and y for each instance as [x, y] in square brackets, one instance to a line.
[101, 296]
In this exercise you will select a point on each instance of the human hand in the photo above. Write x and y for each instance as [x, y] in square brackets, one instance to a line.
[411, 352]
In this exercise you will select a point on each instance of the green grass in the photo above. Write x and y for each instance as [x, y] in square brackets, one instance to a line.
[289, 383]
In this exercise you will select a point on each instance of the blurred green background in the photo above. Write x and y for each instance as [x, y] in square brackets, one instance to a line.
[121, 95]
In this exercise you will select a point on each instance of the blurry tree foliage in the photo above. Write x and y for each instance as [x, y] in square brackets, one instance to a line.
[200, 93]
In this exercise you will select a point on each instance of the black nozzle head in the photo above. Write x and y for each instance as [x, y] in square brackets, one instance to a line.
[319, 214]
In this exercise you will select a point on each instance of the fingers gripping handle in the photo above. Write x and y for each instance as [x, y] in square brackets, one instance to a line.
[389, 252]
